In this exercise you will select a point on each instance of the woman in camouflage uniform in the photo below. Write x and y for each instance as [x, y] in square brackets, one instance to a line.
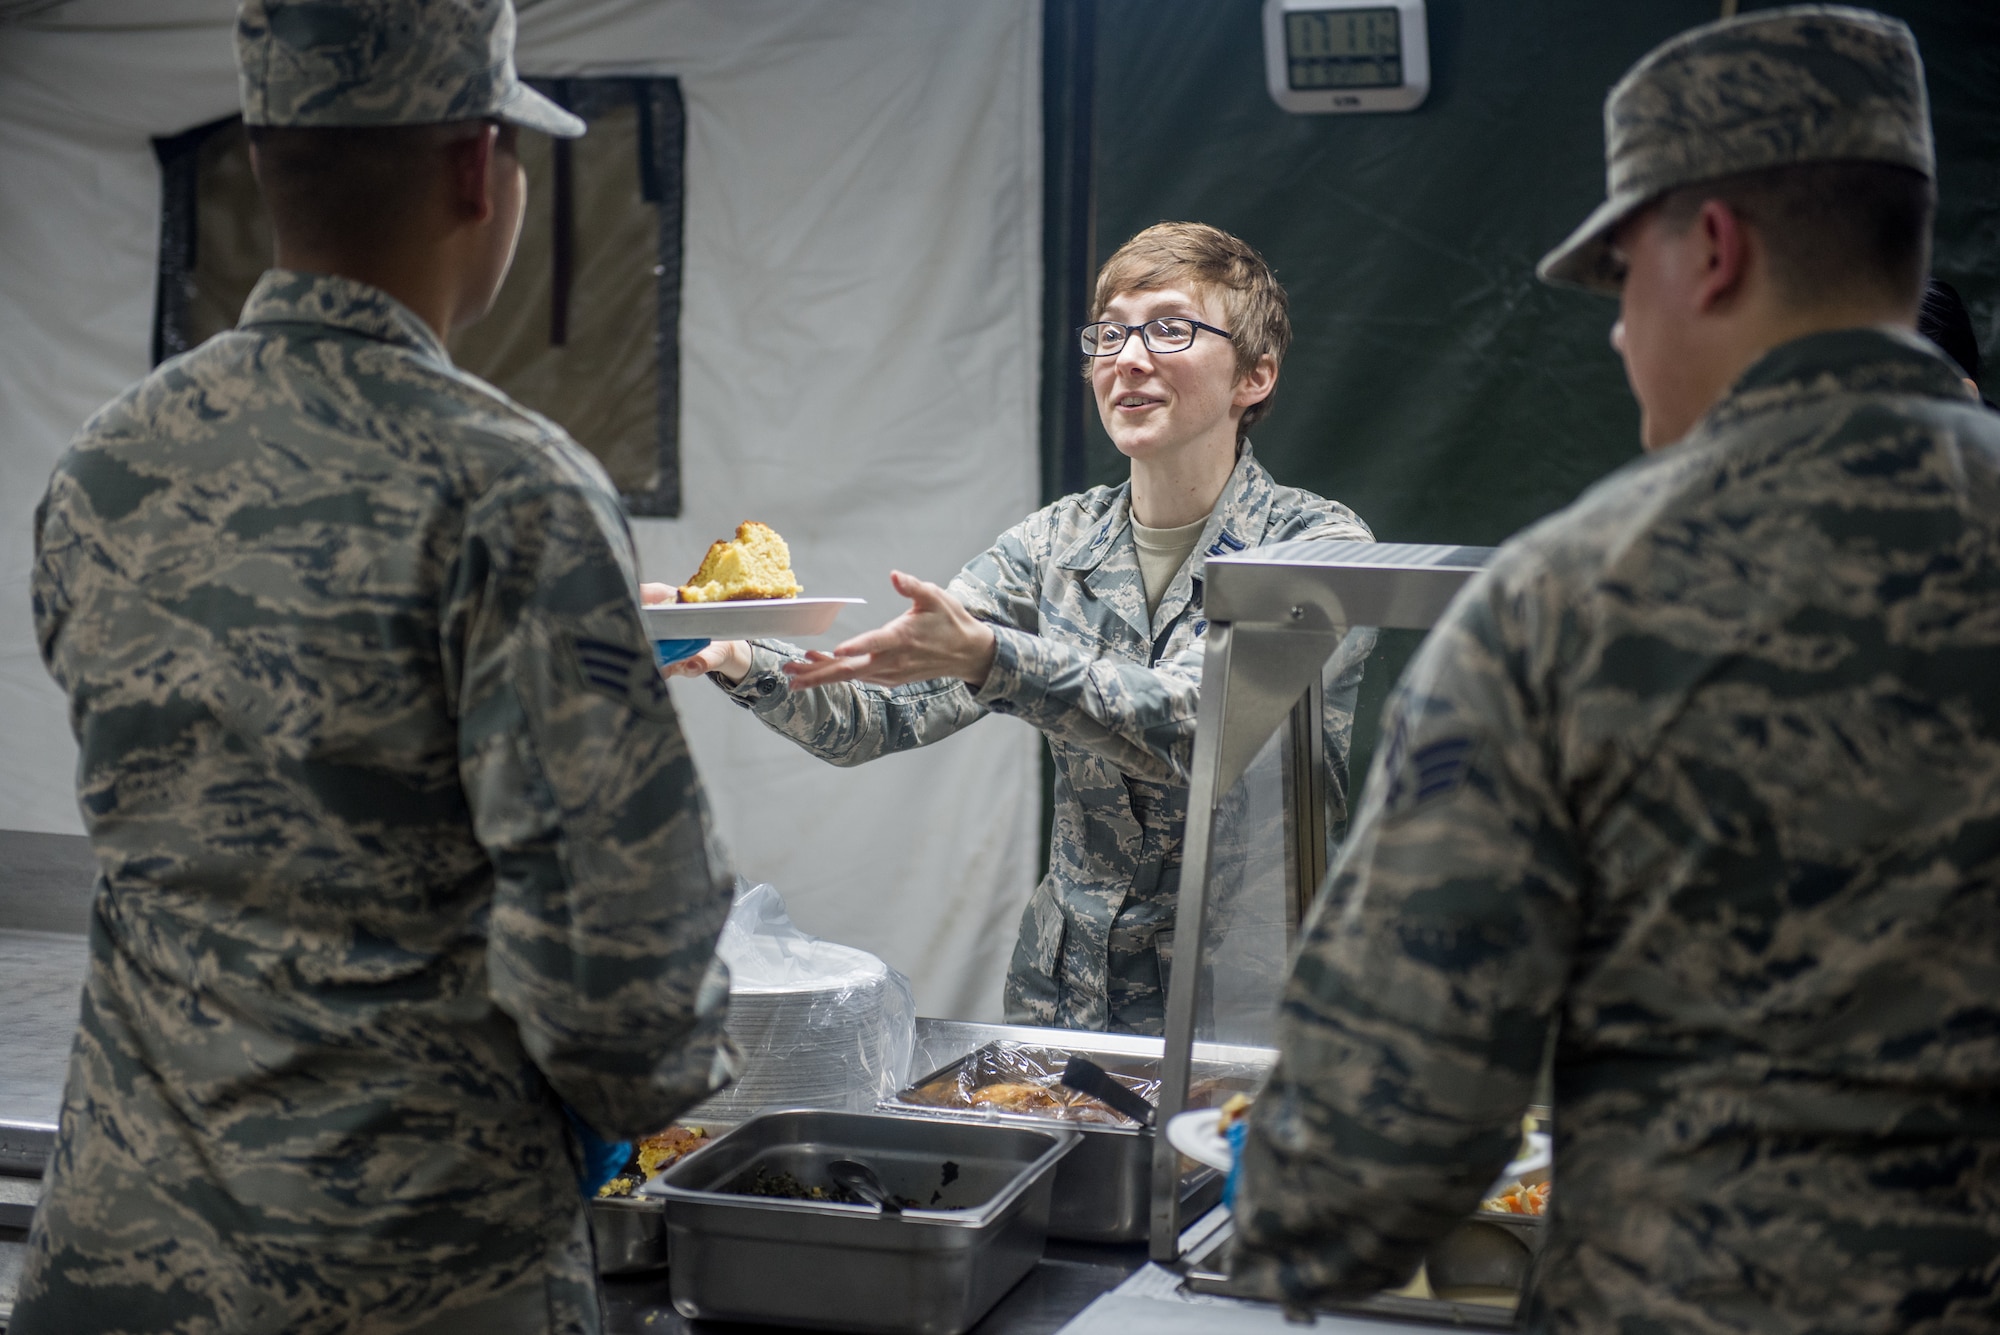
[1085, 619]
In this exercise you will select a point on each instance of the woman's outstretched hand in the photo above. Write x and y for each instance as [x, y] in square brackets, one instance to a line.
[937, 637]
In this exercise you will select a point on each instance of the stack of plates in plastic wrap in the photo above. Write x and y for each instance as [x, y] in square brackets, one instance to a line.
[826, 1026]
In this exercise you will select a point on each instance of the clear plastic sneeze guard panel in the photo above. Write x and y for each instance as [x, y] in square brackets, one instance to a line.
[1242, 959]
[1275, 833]
[1290, 627]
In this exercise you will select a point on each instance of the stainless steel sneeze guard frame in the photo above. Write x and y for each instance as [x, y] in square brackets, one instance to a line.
[1336, 585]
[1276, 615]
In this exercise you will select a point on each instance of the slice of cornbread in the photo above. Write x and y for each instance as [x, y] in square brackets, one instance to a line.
[756, 565]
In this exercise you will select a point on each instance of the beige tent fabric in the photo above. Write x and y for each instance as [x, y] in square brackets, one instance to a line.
[860, 331]
[600, 384]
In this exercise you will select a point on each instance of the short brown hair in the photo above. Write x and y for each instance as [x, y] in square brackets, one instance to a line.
[1196, 255]
[1830, 228]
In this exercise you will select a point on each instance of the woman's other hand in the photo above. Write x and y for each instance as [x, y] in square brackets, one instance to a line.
[937, 637]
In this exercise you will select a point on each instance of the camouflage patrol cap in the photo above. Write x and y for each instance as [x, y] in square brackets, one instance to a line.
[385, 62]
[1812, 83]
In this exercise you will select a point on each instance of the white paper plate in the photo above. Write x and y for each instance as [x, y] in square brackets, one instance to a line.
[1540, 1155]
[824, 1045]
[744, 620]
[1194, 1134]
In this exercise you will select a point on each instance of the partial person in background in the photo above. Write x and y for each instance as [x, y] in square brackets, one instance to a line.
[1944, 320]
[401, 847]
[1710, 777]
[1086, 620]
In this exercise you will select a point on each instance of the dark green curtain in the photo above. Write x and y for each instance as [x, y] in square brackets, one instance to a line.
[1433, 384]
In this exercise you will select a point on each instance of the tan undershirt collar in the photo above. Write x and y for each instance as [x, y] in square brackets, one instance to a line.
[1162, 553]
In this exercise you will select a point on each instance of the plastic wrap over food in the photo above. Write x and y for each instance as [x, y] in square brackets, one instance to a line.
[821, 1025]
[1017, 1078]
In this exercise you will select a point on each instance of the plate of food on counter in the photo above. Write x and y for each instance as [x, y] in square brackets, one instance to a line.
[743, 589]
[1523, 1185]
[1521, 1188]
[1203, 1135]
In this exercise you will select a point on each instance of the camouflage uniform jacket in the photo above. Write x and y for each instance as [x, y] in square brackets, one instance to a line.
[1115, 693]
[1703, 771]
[400, 844]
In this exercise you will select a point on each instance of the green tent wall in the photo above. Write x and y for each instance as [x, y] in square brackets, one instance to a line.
[1433, 384]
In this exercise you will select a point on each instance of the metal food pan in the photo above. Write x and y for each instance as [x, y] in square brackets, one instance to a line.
[1104, 1188]
[630, 1235]
[1530, 1229]
[933, 1270]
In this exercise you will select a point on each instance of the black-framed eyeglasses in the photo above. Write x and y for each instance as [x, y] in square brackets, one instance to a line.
[1107, 338]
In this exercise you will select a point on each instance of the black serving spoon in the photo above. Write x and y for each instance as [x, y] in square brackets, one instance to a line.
[1087, 1077]
[861, 1180]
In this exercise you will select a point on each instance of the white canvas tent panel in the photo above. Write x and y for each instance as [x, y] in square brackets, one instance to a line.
[860, 327]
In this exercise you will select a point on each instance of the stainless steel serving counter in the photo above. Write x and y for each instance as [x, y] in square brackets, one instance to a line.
[41, 980]
[1068, 1279]
[41, 974]
[45, 888]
